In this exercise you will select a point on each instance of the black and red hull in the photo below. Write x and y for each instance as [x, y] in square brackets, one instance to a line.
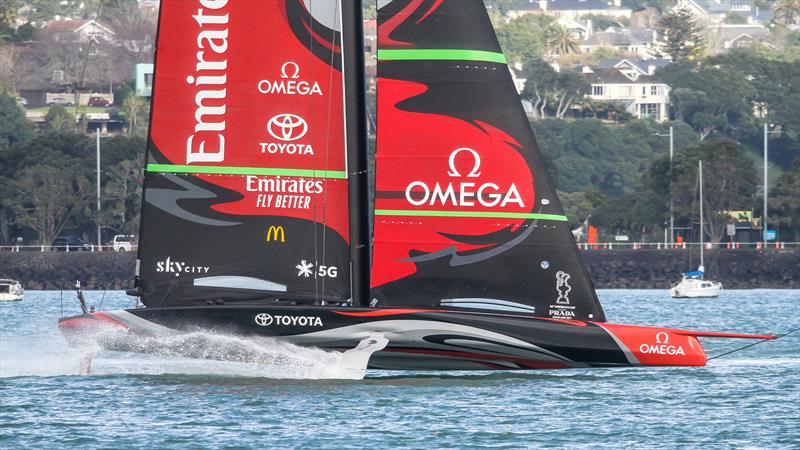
[419, 339]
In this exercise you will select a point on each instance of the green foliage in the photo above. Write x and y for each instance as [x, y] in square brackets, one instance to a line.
[46, 198]
[636, 214]
[775, 83]
[788, 11]
[785, 201]
[735, 18]
[588, 153]
[546, 87]
[709, 98]
[729, 183]
[59, 119]
[684, 41]
[523, 38]
[136, 110]
[14, 128]
[8, 12]
[46, 10]
[580, 205]
[559, 40]
[26, 168]
[638, 5]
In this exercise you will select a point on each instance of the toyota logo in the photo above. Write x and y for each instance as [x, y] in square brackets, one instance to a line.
[264, 319]
[287, 127]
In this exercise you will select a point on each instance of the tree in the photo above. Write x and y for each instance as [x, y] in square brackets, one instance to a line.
[586, 152]
[568, 88]
[710, 98]
[47, 197]
[734, 18]
[540, 77]
[729, 183]
[560, 40]
[14, 128]
[545, 86]
[580, 205]
[785, 200]
[134, 108]
[788, 10]
[59, 119]
[124, 193]
[522, 39]
[684, 40]
[636, 214]
[8, 11]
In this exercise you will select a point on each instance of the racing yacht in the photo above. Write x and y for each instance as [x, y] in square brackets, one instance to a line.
[256, 217]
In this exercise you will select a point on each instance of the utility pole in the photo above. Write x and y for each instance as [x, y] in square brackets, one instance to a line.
[671, 212]
[99, 243]
[671, 205]
[764, 215]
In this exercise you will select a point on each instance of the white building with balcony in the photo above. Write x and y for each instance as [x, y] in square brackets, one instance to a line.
[631, 86]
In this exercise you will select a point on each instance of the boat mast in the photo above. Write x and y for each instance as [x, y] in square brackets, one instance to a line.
[356, 139]
[700, 170]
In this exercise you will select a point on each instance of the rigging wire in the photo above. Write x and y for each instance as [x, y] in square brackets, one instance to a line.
[337, 16]
[86, 62]
[754, 344]
[105, 290]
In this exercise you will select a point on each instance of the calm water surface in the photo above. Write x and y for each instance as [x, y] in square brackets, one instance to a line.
[750, 399]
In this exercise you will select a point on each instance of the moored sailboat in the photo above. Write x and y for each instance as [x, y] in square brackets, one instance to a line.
[255, 216]
[693, 284]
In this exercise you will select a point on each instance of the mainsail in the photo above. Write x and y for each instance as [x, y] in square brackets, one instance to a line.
[246, 191]
[465, 214]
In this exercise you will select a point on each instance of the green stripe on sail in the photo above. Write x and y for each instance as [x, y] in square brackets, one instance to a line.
[433, 213]
[441, 55]
[227, 170]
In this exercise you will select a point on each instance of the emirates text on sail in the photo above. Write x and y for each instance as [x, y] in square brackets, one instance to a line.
[210, 79]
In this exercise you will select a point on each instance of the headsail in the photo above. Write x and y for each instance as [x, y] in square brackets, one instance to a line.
[245, 194]
[465, 215]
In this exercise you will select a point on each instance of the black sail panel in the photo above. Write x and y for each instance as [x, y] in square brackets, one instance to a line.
[465, 214]
[245, 194]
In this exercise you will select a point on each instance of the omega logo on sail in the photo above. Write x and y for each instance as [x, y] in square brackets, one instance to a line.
[289, 84]
[210, 79]
[464, 193]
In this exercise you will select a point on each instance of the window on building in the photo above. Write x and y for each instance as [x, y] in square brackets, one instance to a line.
[626, 91]
[598, 90]
[650, 111]
[654, 90]
[148, 80]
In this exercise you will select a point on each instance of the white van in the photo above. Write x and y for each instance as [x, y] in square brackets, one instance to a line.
[123, 242]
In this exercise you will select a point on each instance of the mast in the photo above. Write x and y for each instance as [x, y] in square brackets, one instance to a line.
[700, 170]
[356, 144]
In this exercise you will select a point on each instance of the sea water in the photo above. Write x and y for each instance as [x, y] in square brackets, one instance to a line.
[287, 397]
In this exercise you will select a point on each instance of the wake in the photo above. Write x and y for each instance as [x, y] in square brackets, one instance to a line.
[193, 353]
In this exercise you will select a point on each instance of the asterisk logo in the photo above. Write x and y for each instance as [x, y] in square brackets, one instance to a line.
[304, 269]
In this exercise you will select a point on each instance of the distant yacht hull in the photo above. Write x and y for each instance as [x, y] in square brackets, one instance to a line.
[10, 291]
[695, 288]
[419, 339]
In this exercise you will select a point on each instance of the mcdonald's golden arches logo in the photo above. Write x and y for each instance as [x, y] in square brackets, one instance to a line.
[276, 234]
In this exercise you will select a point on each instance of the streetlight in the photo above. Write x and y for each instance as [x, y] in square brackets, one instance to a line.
[671, 213]
[766, 182]
[99, 242]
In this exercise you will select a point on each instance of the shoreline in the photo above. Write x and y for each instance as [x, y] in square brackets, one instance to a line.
[609, 269]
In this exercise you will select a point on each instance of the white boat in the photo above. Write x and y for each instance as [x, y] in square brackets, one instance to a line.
[10, 291]
[693, 284]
